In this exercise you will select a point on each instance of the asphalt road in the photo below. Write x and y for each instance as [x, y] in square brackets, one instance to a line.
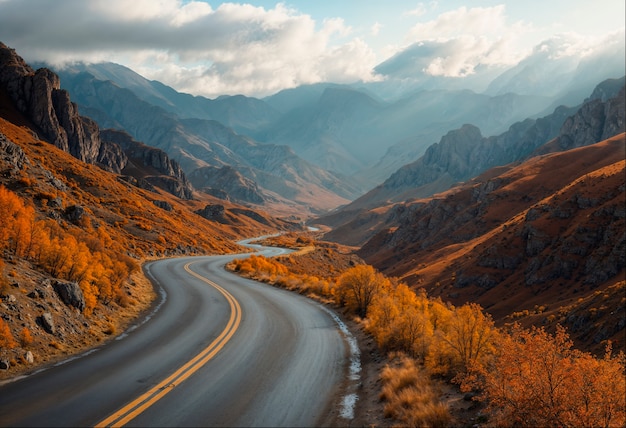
[219, 352]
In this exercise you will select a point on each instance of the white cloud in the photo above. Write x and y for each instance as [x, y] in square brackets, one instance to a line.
[375, 29]
[418, 11]
[235, 48]
[462, 21]
[463, 38]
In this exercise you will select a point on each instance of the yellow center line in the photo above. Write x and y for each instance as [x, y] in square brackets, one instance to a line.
[140, 404]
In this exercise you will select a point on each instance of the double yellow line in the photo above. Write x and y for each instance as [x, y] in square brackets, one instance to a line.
[139, 405]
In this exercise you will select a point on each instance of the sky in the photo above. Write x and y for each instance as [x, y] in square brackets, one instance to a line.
[259, 47]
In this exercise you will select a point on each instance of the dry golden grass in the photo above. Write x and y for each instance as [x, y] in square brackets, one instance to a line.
[410, 396]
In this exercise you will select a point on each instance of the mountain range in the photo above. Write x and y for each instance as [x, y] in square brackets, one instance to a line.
[465, 153]
[353, 136]
[517, 208]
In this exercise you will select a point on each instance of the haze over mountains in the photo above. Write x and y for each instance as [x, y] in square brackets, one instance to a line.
[346, 139]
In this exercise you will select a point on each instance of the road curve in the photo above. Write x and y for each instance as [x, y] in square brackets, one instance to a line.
[281, 364]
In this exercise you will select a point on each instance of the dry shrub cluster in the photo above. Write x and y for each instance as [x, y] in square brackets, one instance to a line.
[273, 272]
[525, 377]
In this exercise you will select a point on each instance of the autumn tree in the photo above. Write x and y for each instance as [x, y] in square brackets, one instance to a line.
[358, 287]
[399, 320]
[26, 338]
[4, 282]
[470, 334]
[7, 341]
[537, 379]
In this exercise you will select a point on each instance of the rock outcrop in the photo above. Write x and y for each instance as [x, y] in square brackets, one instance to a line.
[37, 95]
[13, 155]
[150, 164]
[226, 183]
[70, 293]
[596, 120]
[214, 212]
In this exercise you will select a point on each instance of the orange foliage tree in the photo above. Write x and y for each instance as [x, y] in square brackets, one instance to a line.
[470, 334]
[7, 341]
[359, 286]
[537, 379]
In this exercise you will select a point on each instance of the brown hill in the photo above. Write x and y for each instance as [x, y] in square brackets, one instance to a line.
[464, 153]
[68, 222]
[545, 236]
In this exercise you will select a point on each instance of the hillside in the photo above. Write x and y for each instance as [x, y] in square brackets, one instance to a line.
[465, 153]
[287, 184]
[74, 234]
[524, 242]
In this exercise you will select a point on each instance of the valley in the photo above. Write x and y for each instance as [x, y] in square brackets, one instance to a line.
[512, 225]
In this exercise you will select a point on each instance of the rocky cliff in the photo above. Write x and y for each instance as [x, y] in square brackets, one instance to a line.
[599, 118]
[38, 96]
[547, 232]
[150, 164]
[465, 153]
[226, 183]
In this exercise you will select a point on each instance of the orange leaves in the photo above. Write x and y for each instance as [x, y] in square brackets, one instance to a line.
[7, 341]
[470, 334]
[15, 222]
[538, 380]
[259, 266]
[90, 258]
[26, 338]
[359, 286]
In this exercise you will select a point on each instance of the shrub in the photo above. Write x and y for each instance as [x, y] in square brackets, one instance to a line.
[26, 338]
[7, 341]
[410, 397]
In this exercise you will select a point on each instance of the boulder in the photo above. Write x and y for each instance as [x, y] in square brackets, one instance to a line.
[70, 293]
[164, 205]
[46, 322]
[212, 212]
[74, 213]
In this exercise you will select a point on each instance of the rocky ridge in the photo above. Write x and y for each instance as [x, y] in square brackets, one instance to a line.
[464, 153]
[150, 164]
[284, 179]
[37, 94]
[226, 183]
[518, 237]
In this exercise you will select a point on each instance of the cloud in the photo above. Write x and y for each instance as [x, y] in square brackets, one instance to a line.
[234, 48]
[418, 11]
[462, 39]
[375, 29]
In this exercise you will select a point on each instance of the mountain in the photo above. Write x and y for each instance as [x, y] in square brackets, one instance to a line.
[546, 233]
[237, 112]
[38, 95]
[288, 184]
[464, 153]
[81, 210]
[354, 133]
[552, 71]
[563, 68]
[341, 128]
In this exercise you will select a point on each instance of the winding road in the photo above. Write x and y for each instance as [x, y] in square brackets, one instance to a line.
[217, 350]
